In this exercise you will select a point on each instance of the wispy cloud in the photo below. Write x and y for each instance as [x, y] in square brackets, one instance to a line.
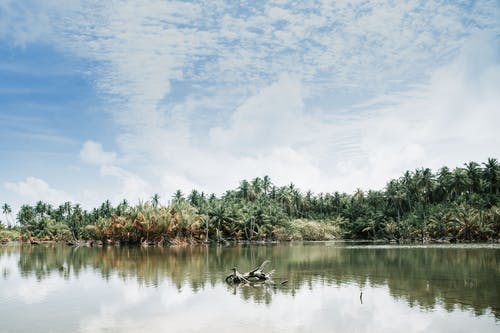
[204, 94]
[16, 128]
[33, 189]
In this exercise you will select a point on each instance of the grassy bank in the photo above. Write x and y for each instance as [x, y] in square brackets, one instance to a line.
[9, 235]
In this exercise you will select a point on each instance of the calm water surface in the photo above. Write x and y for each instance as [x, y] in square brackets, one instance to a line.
[57, 288]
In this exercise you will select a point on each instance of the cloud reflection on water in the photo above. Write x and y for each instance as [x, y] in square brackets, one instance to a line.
[154, 290]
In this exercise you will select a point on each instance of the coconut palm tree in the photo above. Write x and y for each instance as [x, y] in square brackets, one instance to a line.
[473, 170]
[7, 211]
[178, 196]
[220, 215]
[244, 190]
[266, 184]
[492, 174]
[155, 200]
[444, 184]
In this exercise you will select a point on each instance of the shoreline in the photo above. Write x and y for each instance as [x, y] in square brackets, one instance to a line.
[255, 243]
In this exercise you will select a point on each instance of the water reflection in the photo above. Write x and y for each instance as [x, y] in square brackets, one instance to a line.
[454, 276]
[425, 279]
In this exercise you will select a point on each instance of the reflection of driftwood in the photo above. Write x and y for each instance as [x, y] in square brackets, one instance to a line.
[256, 274]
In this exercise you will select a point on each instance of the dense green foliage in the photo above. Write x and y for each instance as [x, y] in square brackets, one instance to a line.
[460, 204]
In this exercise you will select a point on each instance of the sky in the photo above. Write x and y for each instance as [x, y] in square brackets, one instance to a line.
[123, 99]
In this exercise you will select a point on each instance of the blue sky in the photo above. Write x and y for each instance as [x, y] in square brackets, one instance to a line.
[123, 99]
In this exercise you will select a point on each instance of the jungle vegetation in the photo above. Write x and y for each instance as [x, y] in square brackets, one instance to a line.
[459, 204]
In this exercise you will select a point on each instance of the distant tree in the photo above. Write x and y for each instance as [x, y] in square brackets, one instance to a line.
[178, 196]
[7, 211]
[155, 199]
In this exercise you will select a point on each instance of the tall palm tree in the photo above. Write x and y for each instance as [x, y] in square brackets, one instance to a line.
[444, 184]
[178, 196]
[256, 187]
[155, 200]
[122, 208]
[105, 211]
[40, 208]
[460, 182]
[244, 189]
[7, 211]
[194, 198]
[492, 174]
[220, 215]
[266, 184]
[409, 186]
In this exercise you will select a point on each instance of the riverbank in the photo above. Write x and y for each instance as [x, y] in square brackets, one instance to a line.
[7, 235]
[177, 243]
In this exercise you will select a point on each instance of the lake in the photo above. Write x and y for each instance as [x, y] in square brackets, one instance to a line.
[332, 287]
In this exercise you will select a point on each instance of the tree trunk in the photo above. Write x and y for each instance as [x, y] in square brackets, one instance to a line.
[255, 275]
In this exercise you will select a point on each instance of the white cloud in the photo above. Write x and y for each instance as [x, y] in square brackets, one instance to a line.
[446, 121]
[270, 118]
[257, 75]
[93, 153]
[449, 121]
[133, 187]
[309, 309]
[34, 189]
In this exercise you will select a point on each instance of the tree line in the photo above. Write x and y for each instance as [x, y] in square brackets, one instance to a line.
[458, 204]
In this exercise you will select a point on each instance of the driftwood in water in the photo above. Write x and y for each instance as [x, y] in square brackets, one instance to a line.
[256, 274]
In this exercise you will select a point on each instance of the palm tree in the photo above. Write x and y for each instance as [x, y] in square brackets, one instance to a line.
[244, 189]
[194, 198]
[460, 182]
[492, 174]
[26, 215]
[75, 221]
[409, 186]
[220, 215]
[444, 184]
[40, 207]
[256, 188]
[178, 196]
[106, 209]
[474, 173]
[266, 184]
[465, 221]
[122, 208]
[154, 200]
[6, 211]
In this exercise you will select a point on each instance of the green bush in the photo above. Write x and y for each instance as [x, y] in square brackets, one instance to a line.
[314, 230]
[10, 235]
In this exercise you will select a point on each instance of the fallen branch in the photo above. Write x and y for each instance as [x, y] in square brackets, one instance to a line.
[256, 274]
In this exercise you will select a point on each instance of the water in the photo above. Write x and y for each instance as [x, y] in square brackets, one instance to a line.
[56, 288]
